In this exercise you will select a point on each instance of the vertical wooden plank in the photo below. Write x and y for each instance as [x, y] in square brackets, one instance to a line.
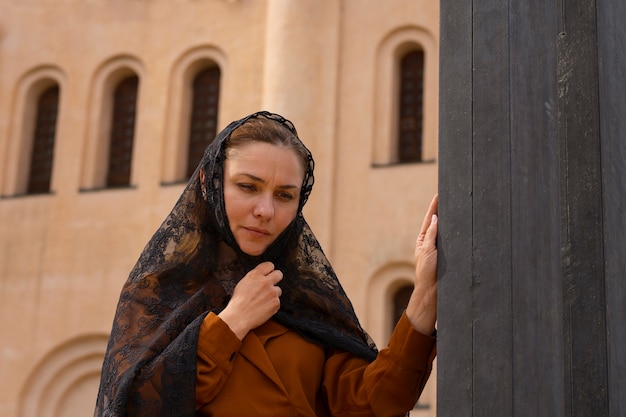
[491, 240]
[581, 212]
[612, 96]
[537, 287]
[454, 379]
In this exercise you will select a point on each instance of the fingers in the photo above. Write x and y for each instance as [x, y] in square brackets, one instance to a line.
[432, 210]
[275, 276]
[430, 237]
[429, 228]
[267, 269]
[267, 273]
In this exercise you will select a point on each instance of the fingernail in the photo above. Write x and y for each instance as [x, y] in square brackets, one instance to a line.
[434, 219]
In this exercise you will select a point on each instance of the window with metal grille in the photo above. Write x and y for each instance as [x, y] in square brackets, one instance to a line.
[203, 123]
[122, 132]
[400, 300]
[410, 113]
[42, 154]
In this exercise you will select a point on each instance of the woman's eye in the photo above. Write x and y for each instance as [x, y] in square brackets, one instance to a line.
[246, 187]
[285, 196]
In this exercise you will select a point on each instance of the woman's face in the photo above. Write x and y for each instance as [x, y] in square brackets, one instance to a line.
[261, 192]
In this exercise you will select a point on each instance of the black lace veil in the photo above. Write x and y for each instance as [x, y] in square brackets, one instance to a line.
[189, 268]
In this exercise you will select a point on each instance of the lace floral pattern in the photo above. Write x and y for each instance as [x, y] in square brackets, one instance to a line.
[190, 267]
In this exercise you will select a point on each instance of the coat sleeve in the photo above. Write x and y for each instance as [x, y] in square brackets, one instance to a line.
[217, 348]
[388, 386]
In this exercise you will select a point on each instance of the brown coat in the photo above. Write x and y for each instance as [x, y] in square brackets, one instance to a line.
[275, 372]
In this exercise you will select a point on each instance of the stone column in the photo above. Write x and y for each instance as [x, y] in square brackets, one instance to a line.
[300, 82]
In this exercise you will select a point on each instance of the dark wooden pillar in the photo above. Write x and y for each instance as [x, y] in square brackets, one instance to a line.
[532, 295]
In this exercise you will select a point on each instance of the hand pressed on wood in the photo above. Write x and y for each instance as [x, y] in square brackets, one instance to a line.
[422, 307]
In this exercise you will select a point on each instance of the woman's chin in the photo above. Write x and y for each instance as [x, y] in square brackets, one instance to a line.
[252, 250]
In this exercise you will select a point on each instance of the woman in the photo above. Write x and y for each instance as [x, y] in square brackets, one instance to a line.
[234, 310]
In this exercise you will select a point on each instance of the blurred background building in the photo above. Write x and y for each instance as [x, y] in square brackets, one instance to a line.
[106, 106]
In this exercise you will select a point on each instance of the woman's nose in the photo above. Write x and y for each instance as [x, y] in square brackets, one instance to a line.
[264, 207]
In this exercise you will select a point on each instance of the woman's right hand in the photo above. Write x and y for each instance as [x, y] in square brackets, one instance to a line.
[255, 300]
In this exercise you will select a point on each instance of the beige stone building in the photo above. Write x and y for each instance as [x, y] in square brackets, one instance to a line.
[98, 102]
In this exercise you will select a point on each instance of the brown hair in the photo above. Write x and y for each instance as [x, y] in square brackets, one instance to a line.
[270, 131]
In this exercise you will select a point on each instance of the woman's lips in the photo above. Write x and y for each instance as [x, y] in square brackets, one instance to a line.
[257, 232]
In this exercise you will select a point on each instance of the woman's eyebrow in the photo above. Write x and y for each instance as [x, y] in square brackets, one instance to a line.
[262, 181]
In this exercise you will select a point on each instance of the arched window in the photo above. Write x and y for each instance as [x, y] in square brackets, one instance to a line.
[42, 154]
[400, 300]
[122, 132]
[410, 114]
[203, 124]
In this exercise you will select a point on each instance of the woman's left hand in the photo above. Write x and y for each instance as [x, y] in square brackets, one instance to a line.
[422, 307]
